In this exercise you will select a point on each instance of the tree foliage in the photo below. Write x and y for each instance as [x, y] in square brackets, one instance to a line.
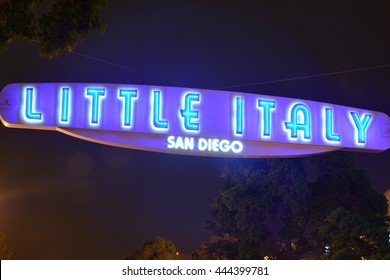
[57, 25]
[348, 214]
[261, 209]
[5, 253]
[269, 209]
[387, 195]
[158, 248]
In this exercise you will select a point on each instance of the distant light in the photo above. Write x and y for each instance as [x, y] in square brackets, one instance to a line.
[389, 234]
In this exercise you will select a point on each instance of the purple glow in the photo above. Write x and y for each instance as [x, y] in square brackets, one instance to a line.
[164, 119]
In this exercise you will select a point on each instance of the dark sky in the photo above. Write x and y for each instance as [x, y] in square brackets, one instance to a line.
[64, 198]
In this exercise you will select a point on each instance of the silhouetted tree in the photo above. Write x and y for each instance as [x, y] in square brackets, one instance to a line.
[268, 209]
[57, 25]
[387, 195]
[348, 215]
[157, 249]
[260, 211]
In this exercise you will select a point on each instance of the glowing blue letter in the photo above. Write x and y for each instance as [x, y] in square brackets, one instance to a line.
[299, 123]
[329, 126]
[94, 94]
[29, 106]
[157, 121]
[127, 111]
[267, 105]
[239, 115]
[188, 113]
[361, 126]
[65, 105]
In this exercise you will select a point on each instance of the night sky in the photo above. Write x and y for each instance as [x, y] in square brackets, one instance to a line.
[64, 198]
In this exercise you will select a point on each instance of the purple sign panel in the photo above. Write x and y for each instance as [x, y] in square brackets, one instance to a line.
[193, 121]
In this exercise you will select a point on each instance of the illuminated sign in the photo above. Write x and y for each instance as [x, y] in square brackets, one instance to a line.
[193, 121]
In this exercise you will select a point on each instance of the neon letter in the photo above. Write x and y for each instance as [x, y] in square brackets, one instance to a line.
[266, 105]
[171, 142]
[29, 106]
[95, 94]
[127, 109]
[188, 113]
[239, 115]
[157, 121]
[361, 126]
[65, 105]
[236, 147]
[329, 126]
[299, 123]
